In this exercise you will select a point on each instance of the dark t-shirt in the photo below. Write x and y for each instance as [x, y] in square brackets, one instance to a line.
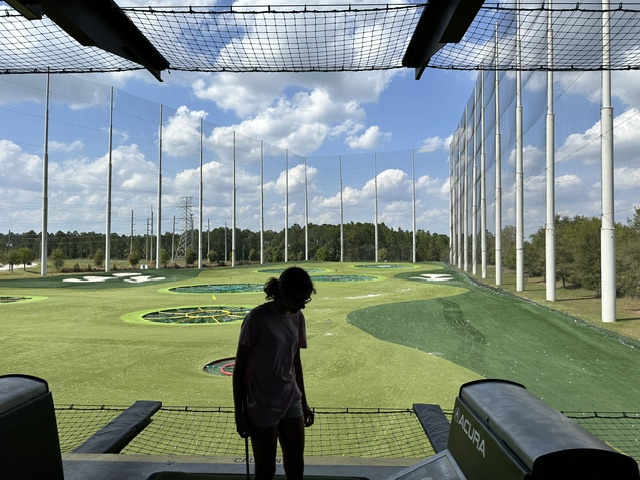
[274, 340]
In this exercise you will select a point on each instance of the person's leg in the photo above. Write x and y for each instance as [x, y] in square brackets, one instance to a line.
[291, 435]
[264, 442]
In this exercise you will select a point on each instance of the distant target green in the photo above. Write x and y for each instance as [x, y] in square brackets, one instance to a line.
[197, 315]
[13, 299]
[220, 288]
[343, 278]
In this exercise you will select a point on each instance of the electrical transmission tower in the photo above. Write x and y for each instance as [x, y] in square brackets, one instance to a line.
[185, 219]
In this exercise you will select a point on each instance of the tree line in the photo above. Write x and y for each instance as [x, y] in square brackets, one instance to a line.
[324, 244]
[577, 248]
[578, 253]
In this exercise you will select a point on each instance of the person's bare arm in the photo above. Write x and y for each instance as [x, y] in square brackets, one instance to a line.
[306, 410]
[240, 389]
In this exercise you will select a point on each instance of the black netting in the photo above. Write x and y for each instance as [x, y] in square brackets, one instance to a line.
[358, 433]
[334, 38]
[619, 429]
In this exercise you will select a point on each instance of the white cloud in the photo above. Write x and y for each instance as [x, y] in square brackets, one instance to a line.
[75, 146]
[585, 147]
[181, 133]
[295, 180]
[434, 144]
[371, 139]
[243, 94]
[17, 166]
[627, 178]
[300, 111]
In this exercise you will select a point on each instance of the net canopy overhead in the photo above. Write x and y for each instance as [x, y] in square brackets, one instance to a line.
[334, 38]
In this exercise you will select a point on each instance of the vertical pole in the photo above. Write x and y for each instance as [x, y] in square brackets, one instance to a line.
[460, 189]
[483, 184]
[452, 198]
[306, 213]
[261, 202]
[45, 186]
[159, 200]
[131, 235]
[465, 190]
[474, 184]
[498, 186]
[151, 236]
[286, 206]
[146, 241]
[519, 164]
[233, 209]
[201, 195]
[341, 216]
[375, 207]
[550, 234]
[413, 194]
[107, 239]
[607, 232]
[173, 240]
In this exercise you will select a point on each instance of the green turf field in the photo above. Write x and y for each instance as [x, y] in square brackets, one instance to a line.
[390, 342]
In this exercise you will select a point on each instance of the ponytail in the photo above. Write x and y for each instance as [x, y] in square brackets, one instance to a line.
[272, 288]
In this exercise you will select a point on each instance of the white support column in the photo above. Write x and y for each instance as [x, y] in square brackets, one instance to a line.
[474, 184]
[455, 199]
[306, 213]
[233, 209]
[519, 166]
[465, 191]
[375, 207]
[159, 201]
[107, 236]
[607, 232]
[45, 187]
[200, 195]
[413, 194]
[261, 202]
[460, 195]
[452, 231]
[483, 184]
[286, 206]
[498, 186]
[341, 216]
[550, 227]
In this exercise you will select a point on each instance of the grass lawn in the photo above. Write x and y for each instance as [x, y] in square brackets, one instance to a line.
[576, 302]
[390, 342]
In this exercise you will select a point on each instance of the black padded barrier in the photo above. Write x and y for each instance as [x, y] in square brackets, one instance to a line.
[435, 424]
[501, 431]
[117, 434]
[29, 443]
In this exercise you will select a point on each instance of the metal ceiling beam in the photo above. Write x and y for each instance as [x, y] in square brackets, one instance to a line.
[98, 23]
[441, 22]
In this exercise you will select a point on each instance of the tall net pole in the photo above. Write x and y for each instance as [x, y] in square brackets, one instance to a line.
[45, 186]
[519, 166]
[483, 184]
[107, 240]
[607, 232]
[474, 184]
[375, 208]
[201, 199]
[498, 186]
[550, 233]
[159, 200]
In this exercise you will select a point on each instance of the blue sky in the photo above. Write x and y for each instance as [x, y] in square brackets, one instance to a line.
[378, 125]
